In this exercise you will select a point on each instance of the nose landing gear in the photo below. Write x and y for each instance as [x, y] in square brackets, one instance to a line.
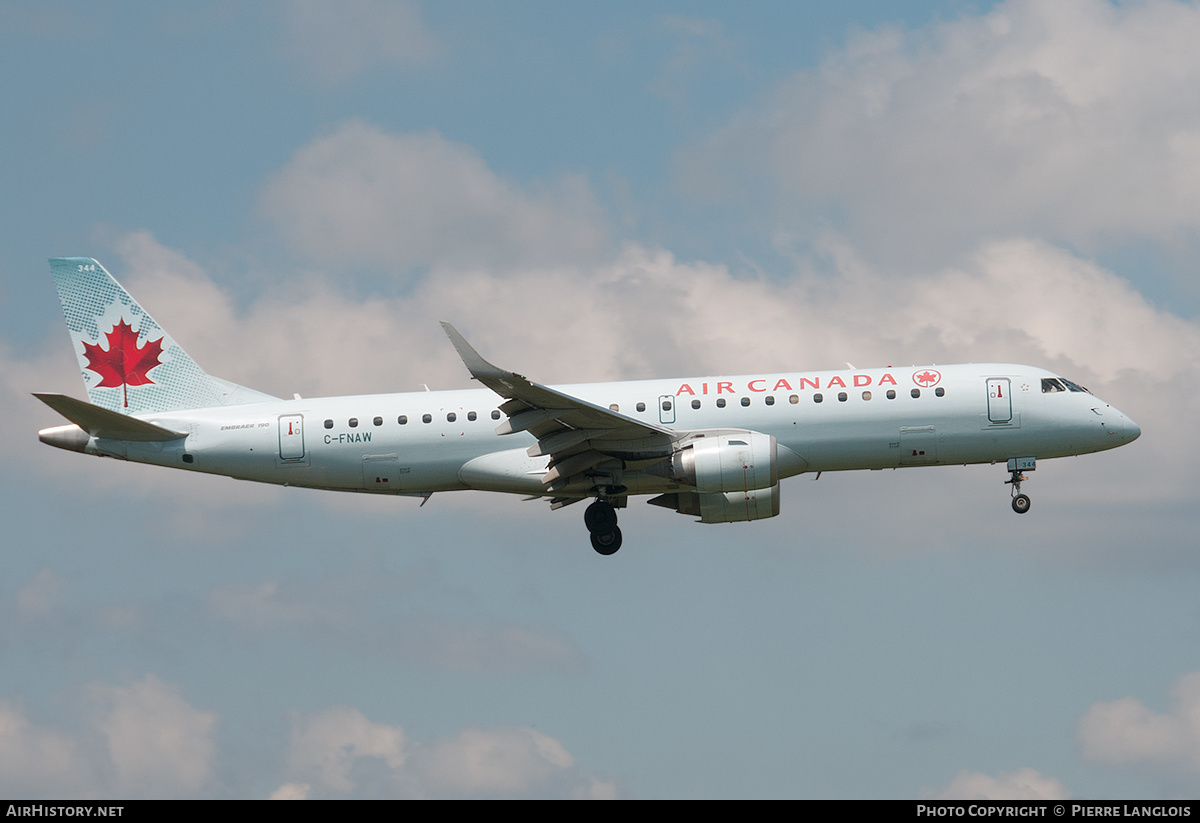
[1017, 465]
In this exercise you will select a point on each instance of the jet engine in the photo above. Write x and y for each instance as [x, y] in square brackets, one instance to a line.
[735, 475]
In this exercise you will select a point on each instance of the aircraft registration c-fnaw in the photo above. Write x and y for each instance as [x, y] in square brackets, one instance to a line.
[715, 448]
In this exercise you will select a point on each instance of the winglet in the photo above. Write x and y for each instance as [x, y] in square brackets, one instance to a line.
[479, 368]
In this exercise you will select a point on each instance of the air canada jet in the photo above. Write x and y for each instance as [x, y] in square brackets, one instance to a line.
[715, 448]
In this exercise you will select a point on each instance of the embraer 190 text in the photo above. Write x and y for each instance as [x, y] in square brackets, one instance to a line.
[715, 448]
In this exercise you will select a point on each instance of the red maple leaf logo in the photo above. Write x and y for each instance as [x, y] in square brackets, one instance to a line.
[124, 364]
[929, 377]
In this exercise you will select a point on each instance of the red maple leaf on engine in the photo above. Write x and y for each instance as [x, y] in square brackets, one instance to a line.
[124, 364]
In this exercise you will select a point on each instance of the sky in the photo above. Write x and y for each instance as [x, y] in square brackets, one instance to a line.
[593, 191]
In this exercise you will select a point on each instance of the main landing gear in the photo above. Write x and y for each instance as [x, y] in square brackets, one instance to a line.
[1020, 502]
[601, 520]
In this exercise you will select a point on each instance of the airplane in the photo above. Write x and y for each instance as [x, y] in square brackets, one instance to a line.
[714, 448]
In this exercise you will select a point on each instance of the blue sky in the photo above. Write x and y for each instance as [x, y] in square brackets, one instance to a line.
[602, 191]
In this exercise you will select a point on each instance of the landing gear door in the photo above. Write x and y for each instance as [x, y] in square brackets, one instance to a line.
[999, 400]
[291, 437]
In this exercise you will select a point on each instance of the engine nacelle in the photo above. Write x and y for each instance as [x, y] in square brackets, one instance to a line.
[735, 475]
[728, 462]
[724, 507]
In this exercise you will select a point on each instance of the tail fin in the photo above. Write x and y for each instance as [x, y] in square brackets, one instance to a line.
[129, 364]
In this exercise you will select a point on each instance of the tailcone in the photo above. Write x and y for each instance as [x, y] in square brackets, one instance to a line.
[70, 437]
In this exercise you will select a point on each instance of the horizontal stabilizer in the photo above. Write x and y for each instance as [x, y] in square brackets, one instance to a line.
[100, 422]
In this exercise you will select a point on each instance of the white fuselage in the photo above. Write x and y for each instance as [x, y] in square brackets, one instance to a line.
[423, 442]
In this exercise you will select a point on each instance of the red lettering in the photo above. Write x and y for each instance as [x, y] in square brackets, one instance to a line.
[887, 378]
[862, 380]
[725, 387]
[704, 388]
[816, 384]
[685, 388]
[835, 381]
[750, 385]
[782, 384]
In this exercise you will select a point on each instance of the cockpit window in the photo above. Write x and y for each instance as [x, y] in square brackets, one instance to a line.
[1057, 384]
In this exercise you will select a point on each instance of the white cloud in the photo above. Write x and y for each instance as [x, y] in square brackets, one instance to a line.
[333, 42]
[158, 744]
[494, 761]
[361, 195]
[291, 791]
[1023, 784]
[145, 740]
[339, 751]
[140, 740]
[1125, 733]
[325, 746]
[1074, 121]
[39, 762]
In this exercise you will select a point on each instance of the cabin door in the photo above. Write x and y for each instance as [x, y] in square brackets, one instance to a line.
[999, 400]
[291, 437]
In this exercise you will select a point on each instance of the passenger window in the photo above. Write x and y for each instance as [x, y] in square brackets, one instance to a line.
[720, 402]
[939, 391]
[353, 422]
[427, 418]
[471, 415]
[402, 420]
[451, 417]
[495, 414]
[614, 407]
[769, 400]
[794, 399]
[915, 392]
[378, 421]
[745, 401]
[866, 395]
[841, 397]
[891, 395]
[666, 405]
[695, 404]
[641, 406]
[329, 424]
[818, 397]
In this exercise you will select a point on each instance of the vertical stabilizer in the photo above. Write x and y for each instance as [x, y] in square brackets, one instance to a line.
[129, 364]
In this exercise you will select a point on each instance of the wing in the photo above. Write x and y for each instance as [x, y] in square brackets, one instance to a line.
[588, 445]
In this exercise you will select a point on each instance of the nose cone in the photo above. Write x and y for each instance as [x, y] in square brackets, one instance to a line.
[1119, 426]
[1131, 431]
